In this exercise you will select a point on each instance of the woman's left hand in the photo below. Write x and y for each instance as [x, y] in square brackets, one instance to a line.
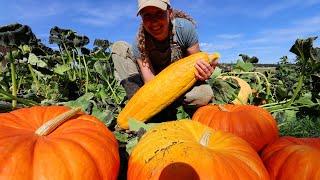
[204, 69]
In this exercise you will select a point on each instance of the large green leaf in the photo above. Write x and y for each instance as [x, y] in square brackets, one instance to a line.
[34, 60]
[61, 69]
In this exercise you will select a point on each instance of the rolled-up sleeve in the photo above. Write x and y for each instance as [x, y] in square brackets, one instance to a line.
[186, 33]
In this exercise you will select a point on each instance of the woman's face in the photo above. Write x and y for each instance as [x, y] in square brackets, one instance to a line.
[156, 22]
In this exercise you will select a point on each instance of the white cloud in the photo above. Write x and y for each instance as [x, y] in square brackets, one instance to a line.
[37, 10]
[106, 15]
[229, 36]
[268, 45]
[255, 9]
[210, 47]
[299, 29]
[282, 6]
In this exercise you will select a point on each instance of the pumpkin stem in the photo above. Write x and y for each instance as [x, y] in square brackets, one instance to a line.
[204, 141]
[222, 108]
[52, 124]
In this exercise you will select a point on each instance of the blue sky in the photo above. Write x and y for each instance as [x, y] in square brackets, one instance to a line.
[265, 28]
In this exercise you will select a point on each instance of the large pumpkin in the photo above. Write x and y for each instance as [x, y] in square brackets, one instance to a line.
[186, 149]
[32, 147]
[293, 158]
[252, 123]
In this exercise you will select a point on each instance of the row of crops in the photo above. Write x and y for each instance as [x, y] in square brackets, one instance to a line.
[32, 74]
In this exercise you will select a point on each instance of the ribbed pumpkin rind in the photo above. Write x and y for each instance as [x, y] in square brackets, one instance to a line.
[293, 158]
[252, 123]
[80, 148]
[226, 156]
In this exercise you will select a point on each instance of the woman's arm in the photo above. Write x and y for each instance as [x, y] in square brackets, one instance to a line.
[193, 49]
[146, 69]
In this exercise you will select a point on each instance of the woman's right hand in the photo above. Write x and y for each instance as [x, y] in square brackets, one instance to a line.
[204, 69]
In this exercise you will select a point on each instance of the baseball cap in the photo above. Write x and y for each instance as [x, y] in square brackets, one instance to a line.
[162, 4]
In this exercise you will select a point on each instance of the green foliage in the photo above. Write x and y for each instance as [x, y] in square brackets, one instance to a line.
[65, 77]
[182, 114]
[13, 35]
[297, 109]
[290, 124]
[32, 74]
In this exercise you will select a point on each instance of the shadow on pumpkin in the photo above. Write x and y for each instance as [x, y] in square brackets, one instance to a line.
[179, 171]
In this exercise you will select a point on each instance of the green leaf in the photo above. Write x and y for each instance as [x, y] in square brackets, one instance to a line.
[131, 144]
[302, 48]
[315, 54]
[104, 69]
[62, 69]
[224, 91]
[243, 66]
[217, 71]
[285, 118]
[122, 137]
[104, 116]
[25, 49]
[82, 101]
[135, 125]
[305, 100]
[34, 60]
[248, 59]
[181, 113]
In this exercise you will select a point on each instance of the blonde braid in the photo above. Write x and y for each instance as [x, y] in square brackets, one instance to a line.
[141, 42]
[181, 14]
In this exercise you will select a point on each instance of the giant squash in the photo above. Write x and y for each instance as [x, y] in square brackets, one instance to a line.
[293, 158]
[55, 143]
[161, 91]
[187, 149]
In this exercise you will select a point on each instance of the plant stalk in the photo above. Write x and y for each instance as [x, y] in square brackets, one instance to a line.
[13, 79]
[20, 100]
[35, 79]
[296, 91]
[87, 73]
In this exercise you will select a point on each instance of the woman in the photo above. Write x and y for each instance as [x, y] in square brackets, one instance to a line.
[165, 35]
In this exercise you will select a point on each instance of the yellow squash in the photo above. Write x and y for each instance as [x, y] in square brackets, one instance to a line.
[161, 91]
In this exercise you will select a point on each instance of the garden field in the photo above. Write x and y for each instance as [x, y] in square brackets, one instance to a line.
[279, 103]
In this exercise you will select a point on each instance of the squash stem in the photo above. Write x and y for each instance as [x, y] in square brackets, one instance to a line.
[204, 141]
[52, 124]
[222, 108]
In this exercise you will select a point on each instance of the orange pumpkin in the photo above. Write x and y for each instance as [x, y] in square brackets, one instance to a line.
[187, 149]
[252, 123]
[32, 147]
[293, 158]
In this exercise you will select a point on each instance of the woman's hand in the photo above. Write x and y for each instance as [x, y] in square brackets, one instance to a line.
[204, 69]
